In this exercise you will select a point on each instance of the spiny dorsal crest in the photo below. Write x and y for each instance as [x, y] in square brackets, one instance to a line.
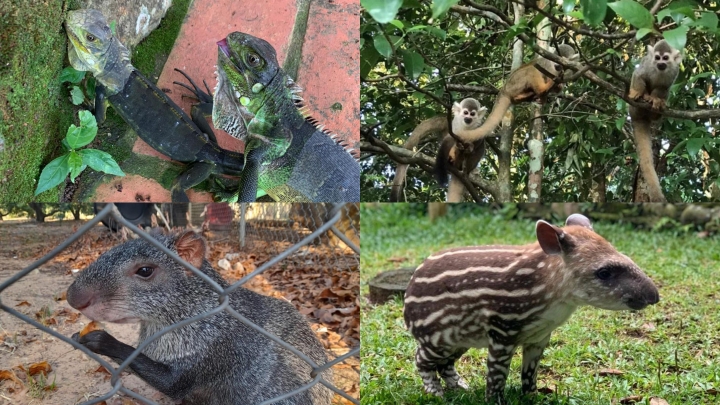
[296, 95]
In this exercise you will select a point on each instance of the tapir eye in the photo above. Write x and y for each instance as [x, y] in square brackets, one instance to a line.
[603, 274]
[253, 60]
[90, 37]
[145, 271]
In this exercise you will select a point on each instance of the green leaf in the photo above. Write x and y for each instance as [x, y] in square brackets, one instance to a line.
[100, 161]
[414, 63]
[642, 32]
[437, 32]
[77, 95]
[90, 86]
[694, 145]
[113, 24]
[368, 59]
[440, 7]
[77, 137]
[69, 74]
[568, 6]
[633, 12]
[677, 37]
[53, 174]
[416, 28]
[383, 11]
[75, 162]
[383, 46]
[593, 11]
[619, 122]
[708, 21]
[397, 23]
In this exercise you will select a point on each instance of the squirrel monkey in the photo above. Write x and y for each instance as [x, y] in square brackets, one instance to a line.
[467, 115]
[526, 83]
[651, 82]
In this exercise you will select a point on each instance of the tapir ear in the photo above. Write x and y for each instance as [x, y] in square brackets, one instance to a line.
[191, 247]
[550, 237]
[579, 220]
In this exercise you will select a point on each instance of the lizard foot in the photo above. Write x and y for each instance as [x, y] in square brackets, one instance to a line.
[198, 94]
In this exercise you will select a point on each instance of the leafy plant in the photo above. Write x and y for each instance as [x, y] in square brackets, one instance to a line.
[76, 79]
[75, 161]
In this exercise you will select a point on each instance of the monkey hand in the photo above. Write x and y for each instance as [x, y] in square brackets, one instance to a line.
[634, 94]
[657, 103]
[466, 147]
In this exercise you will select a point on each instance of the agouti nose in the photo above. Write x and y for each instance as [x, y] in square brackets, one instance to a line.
[78, 299]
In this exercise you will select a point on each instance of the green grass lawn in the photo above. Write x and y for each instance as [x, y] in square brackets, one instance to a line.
[669, 350]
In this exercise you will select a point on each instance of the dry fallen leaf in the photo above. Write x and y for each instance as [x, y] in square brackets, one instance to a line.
[631, 399]
[92, 326]
[10, 375]
[42, 367]
[609, 371]
[658, 401]
[24, 303]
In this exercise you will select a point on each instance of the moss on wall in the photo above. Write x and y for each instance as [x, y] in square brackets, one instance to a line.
[35, 108]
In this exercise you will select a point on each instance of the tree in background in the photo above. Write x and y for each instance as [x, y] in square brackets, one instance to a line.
[417, 57]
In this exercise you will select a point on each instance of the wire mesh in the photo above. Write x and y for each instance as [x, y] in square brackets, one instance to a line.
[319, 233]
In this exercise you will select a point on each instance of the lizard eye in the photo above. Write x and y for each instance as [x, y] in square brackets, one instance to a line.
[145, 271]
[90, 37]
[253, 60]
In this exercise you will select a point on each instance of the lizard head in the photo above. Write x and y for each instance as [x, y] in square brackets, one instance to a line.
[246, 68]
[90, 39]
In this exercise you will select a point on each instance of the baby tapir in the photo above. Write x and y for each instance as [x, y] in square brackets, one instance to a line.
[217, 360]
[502, 297]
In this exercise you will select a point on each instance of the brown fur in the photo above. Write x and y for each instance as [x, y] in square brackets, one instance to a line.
[526, 83]
[651, 84]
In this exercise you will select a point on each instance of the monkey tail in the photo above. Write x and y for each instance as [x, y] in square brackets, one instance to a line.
[442, 160]
[502, 104]
[643, 144]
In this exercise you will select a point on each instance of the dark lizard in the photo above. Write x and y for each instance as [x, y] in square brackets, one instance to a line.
[155, 118]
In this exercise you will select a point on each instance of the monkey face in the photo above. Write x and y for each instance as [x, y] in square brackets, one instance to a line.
[468, 116]
[661, 60]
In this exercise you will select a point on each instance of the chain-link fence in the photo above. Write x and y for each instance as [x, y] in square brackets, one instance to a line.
[316, 232]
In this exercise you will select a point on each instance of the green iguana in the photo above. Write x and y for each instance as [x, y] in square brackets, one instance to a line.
[287, 154]
[155, 118]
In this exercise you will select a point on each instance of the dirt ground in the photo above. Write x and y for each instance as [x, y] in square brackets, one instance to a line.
[74, 377]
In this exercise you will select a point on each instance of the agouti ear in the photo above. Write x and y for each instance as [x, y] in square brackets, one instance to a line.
[191, 247]
[549, 237]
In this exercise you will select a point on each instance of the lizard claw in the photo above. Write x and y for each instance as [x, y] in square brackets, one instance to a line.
[198, 94]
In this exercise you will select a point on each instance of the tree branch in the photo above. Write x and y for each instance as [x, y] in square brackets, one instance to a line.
[425, 162]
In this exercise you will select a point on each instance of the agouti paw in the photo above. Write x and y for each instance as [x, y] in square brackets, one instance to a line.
[94, 340]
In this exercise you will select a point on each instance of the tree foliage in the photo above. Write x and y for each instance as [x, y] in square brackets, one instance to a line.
[430, 54]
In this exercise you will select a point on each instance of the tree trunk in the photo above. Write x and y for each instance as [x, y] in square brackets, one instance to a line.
[436, 210]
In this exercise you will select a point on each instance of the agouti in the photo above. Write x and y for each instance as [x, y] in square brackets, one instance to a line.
[502, 297]
[217, 360]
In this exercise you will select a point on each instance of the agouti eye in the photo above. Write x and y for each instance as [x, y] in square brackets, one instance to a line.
[145, 271]
[603, 274]
[253, 59]
[90, 37]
